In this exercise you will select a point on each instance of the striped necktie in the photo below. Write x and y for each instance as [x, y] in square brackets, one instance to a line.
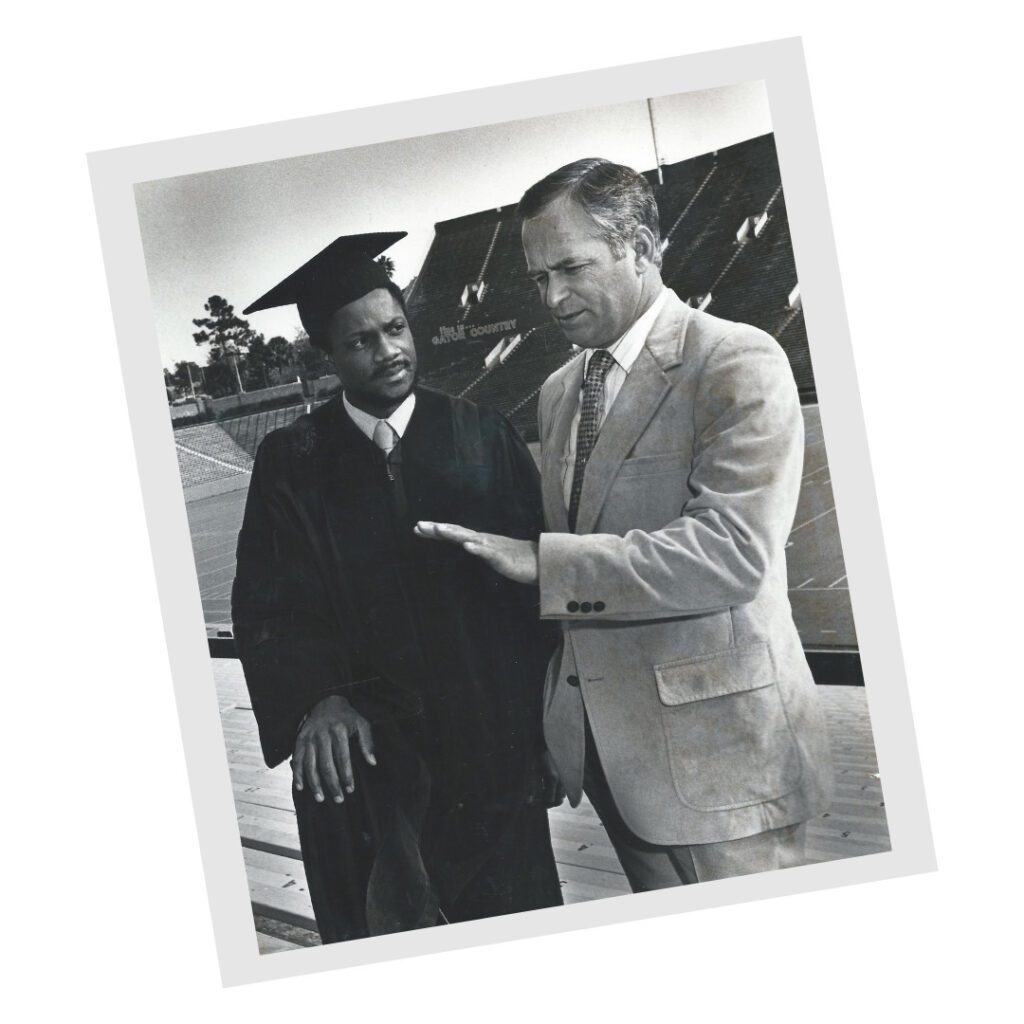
[590, 421]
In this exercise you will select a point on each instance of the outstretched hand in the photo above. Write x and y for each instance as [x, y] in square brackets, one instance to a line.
[514, 559]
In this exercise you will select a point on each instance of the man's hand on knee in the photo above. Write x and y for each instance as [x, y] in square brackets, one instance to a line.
[323, 756]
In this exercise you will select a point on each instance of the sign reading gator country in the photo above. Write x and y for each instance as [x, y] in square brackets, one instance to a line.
[461, 332]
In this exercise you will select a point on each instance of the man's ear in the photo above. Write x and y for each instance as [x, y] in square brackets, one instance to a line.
[645, 247]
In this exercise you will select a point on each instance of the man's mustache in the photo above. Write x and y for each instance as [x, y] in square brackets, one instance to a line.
[391, 367]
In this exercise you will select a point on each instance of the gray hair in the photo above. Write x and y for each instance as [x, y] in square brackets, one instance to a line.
[615, 197]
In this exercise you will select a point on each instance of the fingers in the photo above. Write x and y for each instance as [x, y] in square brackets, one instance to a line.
[343, 763]
[310, 773]
[472, 542]
[365, 737]
[446, 531]
[328, 771]
[323, 758]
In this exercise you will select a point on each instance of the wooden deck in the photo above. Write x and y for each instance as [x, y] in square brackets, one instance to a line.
[587, 865]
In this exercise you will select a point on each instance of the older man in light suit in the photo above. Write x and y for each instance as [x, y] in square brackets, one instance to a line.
[680, 700]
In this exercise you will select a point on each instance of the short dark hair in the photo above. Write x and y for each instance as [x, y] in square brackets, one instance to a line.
[315, 321]
[617, 199]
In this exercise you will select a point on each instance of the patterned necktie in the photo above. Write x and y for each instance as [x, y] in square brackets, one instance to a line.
[590, 420]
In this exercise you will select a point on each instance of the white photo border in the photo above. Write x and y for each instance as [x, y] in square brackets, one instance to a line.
[780, 64]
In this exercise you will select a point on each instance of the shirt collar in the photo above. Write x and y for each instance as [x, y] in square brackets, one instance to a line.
[399, 419]
[627, 348]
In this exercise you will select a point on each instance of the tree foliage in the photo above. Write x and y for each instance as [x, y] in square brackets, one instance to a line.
[282, 352]
[224, 332]
[178, 378]
[263, 358]
[231, 343]
[227, 336]
[313, 362]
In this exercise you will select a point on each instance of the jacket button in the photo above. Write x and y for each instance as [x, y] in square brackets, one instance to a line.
[573, 680]
[572, 606]
[599, 606]
[586, 606]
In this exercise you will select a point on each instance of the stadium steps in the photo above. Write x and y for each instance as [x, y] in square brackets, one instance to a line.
[452, 379]
[758, 290]
[743, 185]
[481, 274]
[536, 358]
[500, 369]
[683, 185]
[453, 261]
[510, 295]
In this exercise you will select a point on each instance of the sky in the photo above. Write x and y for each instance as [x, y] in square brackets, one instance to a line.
[236, 232]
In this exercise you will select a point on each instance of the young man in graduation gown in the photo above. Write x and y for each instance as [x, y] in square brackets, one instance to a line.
[404, 678]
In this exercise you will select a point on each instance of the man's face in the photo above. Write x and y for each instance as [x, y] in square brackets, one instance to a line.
[373, 352]
[592, 296]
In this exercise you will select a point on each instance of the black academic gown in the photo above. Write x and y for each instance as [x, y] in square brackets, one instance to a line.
[335, 594]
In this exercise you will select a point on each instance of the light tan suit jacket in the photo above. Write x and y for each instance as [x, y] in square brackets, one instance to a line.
[677, 630]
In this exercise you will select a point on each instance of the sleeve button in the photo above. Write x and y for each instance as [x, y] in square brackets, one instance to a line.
[572, 606]
[599, 606]
[586, 607]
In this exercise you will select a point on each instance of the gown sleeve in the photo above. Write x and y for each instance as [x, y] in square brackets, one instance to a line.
[525, 521]
[281, 608]
[522, 501]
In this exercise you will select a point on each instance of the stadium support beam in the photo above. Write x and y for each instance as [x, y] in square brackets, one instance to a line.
[654, 140]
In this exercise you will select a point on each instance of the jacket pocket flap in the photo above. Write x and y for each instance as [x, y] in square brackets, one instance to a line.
[651, 465]
[714, 675]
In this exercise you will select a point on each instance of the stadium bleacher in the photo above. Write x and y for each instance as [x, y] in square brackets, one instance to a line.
[703, 203]
[207, 453]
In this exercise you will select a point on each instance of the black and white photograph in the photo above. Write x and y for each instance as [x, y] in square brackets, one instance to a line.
[382, 612]
[516, 566]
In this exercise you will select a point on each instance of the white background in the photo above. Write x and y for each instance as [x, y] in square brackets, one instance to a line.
[104, 902]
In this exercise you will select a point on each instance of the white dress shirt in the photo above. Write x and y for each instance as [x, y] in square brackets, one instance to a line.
[624, 352]
[398, 420]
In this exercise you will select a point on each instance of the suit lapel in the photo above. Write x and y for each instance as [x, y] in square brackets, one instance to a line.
[644, 390]
[553, 450]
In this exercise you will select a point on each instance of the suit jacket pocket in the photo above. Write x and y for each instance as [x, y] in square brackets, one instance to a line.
[729, 740]
[652, 465]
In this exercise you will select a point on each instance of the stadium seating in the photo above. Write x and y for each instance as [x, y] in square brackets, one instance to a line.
[207, 453]
[215, 451]
[702, 201]
[509, 384]
[248, 431]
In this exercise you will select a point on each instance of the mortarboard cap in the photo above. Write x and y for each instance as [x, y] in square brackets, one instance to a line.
[334, 277]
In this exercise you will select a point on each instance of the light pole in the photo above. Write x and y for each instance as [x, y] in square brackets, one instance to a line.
[654, 140]
[233, 362]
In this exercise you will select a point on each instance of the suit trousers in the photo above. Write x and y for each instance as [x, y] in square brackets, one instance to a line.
[649, 866]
